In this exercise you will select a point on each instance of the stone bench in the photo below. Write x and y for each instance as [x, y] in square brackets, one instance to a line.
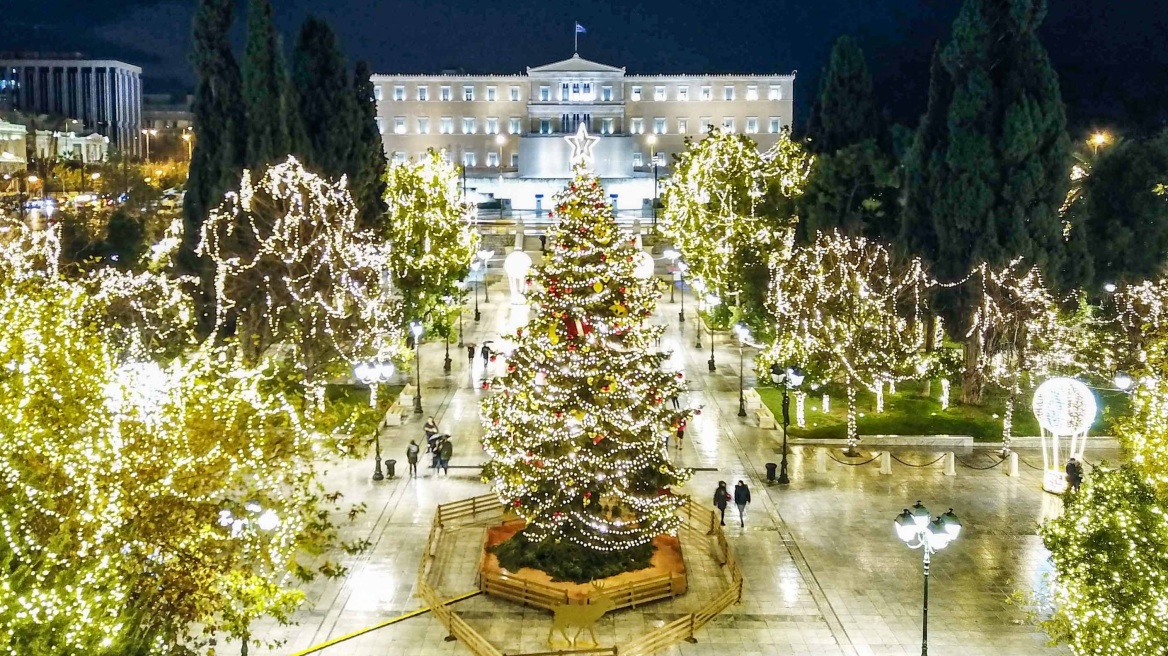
[393, 416]
[406, 398]
[753, 400]
[764, 417]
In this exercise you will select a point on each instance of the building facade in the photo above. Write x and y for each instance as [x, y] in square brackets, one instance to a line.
[507, 130]
[171, 121]
[103, 95]
[13, 147]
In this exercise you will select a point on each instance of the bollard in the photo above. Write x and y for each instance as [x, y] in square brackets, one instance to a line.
[886, 463]
[1012, 465]
[771, 467]
[389, 464]
[821, 461]
[950, 464]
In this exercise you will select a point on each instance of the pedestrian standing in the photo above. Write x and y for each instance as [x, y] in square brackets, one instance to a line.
[721, 499]
[675, 402]
[680, 433]
[470, 349]
[430, 429]
[741, 498]
[445, 450]
[412, 457]
[486, 353]
[1074, 474]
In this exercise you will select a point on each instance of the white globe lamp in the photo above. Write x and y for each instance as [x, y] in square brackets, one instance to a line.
[1065, 409]
[516, 266]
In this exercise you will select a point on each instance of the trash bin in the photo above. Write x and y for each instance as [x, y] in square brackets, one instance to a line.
[771, 467]
[389, 468]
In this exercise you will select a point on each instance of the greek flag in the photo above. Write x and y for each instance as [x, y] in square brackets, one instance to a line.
[580, 29]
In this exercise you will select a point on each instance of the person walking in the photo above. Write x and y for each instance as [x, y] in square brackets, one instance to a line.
[721, 499]
[445, 450]
[412, 457]
[470, 350]
[431, 431]
[486, 353]
[1074, 474]
[741, 498]
[680, 433]
[675, 402]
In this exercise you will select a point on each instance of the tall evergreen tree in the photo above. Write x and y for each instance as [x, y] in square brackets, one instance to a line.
[853, 184]
[368, 164]
[1005, 155]
[845, 111]
[264, 84]
[218, 151]
[918, 233]
[324, 100]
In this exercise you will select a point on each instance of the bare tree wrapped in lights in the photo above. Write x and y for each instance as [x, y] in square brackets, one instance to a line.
[577, 432]
[293, 268]
[846, 308]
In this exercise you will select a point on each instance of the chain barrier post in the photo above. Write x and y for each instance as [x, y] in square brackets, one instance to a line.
[1012, 466]
[886, 463]
[950, 464]
[821, 461]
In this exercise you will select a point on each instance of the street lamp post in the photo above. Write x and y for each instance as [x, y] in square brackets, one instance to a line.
[712, 302]
[653, 158]
[699, 287]
[485, 256]
[915, 529]
[791, 377]
[500, 140]
[743, 335]
[187, 138]
[372, 373]
[672, 255]
[149, 133]
[416, 330]
[682, 269]
[474, 266]
[446, 338]
[461, 284]
[1098, 139]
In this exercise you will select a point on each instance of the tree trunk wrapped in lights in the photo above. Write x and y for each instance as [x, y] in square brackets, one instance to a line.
[577, 432]
[843, 307]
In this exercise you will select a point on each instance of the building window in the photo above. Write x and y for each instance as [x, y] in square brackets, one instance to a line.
[545, 94]
[399, 157]
[468, 158]
[588, 90]
[751, 125]
[514, 160]
[445, 153]
[380, 125]
[399, 93]
[637, 158]
[444, 94]
[659, 93]
[514, 127]
[775, 125]
[468, 125]
[704, 124]
[423, 125]
[636, 94]
[682, 125]
[423, 93]
[377, 92]
[659, 158]
[545, 126]
[752, 92]
[492, 125]
[728, 123]
[493, 158]
[775, 93]
[399, 125]
[468, 93]
[491, 94]
[446, 125]
[727, 93]
[606, 126]
[514, 94]
[658, 126]
[606, 94]
[707, 94]
[637, 126]
[683, 93]
[564, 91]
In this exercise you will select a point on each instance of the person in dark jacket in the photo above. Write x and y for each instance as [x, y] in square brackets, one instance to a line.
[412, 457]
[721, 499]
[741, 498]
[445, 450]
[431, 431]
[486, 353]
[1074, 474]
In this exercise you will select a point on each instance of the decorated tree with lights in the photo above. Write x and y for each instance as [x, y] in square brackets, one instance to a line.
[427, 226]
[293, 268]
[846, 308]
[728, 207]
[577, 431]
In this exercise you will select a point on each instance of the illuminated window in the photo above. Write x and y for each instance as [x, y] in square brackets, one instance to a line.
[491, 94]
[377, 93]
[468, 125]
[446, 125]
[659, 93]
[545, 94]
[444, 94]
[683, 93]
[399, 157]
[423, 125]
[682, 125]
[606, 126]
[775, 93]
[423, 93]
[752, 92]
[637, 158]
[492, 125]
[399, 125]
[399, 93]
[727, 93]
[658, 126]
[380, 125]
[637, 126]
[515, 125]
[751, 125]
[707, 94]
[636, 94]
[775, 124]
[468, 93]
[468, 159]
[492, 158]
[606, 94]
[728, 123]
[704, 124]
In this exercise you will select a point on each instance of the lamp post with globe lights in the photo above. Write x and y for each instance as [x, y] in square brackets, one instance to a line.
[416, 331]
[672, 255]
[743, 334]
[682, 269]
[915, 529]
[485, 257]
[712, 302]
[1098, 140]
[373, 373]
[791, 377]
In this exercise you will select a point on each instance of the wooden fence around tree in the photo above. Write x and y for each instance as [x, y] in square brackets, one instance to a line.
[698, 521]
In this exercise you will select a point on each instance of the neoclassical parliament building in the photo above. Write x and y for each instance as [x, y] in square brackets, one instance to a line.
[508, 130]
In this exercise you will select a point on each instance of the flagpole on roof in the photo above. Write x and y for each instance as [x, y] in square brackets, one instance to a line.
[575, 38]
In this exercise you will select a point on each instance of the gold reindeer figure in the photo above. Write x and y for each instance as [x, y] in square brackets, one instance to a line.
[581, 617]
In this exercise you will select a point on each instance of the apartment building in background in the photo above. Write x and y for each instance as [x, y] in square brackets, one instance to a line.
[508, 130]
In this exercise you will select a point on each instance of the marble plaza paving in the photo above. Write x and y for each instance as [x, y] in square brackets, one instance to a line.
[825, 573]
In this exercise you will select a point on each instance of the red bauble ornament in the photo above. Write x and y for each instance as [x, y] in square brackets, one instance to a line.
[559, 415]
[624, 289]
[567, 290]
[539, 464]
[630, 258]
[680, 375]
[492, 358]
[515, 503]
[603, 257]
[587, 495]
[487, 385]
[530, 454]
[658, 400]
[571, 347]
[698, 411]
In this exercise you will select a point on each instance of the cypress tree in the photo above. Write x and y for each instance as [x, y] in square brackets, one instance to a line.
[264, 84]
[217, 156]
[1006, 154]
[367, 168]
[845, 111]
[918, 234]
[324, 100]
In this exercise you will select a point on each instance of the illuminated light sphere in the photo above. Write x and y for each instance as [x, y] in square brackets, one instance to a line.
[516, 266]
[644, 268]
[1064, 406]
[268, 520]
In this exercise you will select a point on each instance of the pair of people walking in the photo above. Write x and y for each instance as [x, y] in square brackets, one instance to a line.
[741, 499]
[442, 449]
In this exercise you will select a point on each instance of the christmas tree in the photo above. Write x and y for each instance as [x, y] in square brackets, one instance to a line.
[578, 431]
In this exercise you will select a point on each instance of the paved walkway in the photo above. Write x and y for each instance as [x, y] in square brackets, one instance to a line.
[825, 573]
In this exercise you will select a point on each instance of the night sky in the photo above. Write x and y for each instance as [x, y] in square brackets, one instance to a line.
[1111, 55]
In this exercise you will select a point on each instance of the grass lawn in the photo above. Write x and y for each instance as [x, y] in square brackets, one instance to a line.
[909, 413]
